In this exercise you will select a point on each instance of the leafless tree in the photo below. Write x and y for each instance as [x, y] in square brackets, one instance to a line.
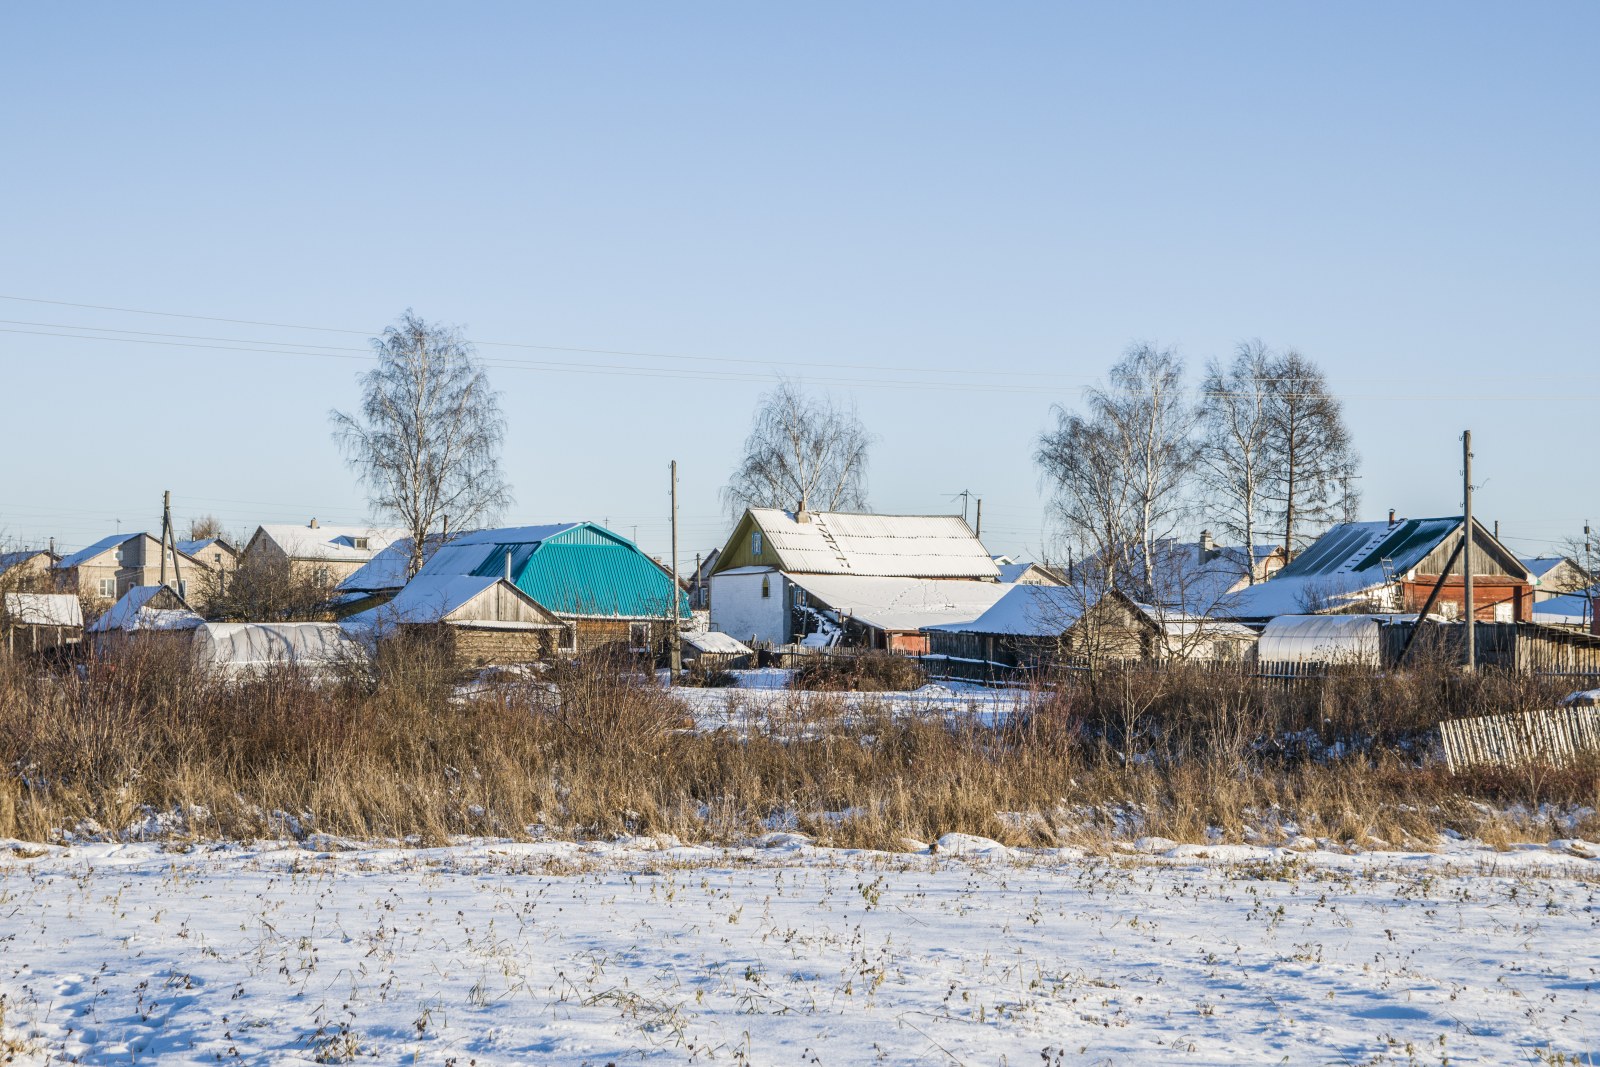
[1117, 473]
[266, 588]
[427, 439]
[1235, 453]
[205, 526]
[803, 450]
[1311, 478]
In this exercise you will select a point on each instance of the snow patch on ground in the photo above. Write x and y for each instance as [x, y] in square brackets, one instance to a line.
[493, 952]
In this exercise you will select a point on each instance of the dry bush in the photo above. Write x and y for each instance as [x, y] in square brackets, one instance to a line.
[595, 749]
[869, 671]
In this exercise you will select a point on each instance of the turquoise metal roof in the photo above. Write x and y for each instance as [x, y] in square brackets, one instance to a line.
[584, 569]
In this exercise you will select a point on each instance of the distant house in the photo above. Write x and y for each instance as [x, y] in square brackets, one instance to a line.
[332, 552]
[386, 571]
[786, 575]
[1191, 578]
[599, 584]
[34, 622]
[1022, 572]
[218, 553]
[25, 567]
[485, 619]
[1570, 611]
[700, 581]
[1391, 567]
[106, 570]
[1033, 626]
[1555, 576]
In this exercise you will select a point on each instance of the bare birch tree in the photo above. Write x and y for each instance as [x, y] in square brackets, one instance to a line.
[1117, 473]
[1235, 452]
[427, 438]
[1311, 482]
[803, 451]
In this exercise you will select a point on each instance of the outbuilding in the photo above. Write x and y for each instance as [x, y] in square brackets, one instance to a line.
[35, 622]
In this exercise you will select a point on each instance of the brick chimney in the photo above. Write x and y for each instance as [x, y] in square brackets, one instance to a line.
[313, 522]
[1207, 545]
[1392, 519]
[800, 512]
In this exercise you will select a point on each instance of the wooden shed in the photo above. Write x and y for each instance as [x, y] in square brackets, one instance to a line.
[35, 622]
[486, 621]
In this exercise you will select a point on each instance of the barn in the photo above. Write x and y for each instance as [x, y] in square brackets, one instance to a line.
[483, 620]
[34, 622]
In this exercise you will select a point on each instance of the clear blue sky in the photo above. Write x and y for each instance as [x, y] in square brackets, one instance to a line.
[975, 206]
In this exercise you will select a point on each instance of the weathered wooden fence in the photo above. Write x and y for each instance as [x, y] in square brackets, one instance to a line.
[1554, 736]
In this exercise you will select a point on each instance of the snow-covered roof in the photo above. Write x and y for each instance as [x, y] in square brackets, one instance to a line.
[1567, 609]
[44, 609]
[235, 647]
[903, 604]
[387, 569]
[716, 642]
[920, 546]
[1015, 572]
[465, 554]
[147, 607]
[330, 543]
[84, 555]
[194, 548]
[1349, 562]
[431, 598]
[1023, 611]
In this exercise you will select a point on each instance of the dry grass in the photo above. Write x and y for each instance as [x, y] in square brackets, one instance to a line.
[595, 751]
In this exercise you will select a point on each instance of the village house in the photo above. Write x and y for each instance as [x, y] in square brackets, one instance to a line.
[1034, 626]
[315, 551]
[1022, 572]
[1555, 576]
[603, 590]
[1392, 566]
[836, 577]
[218, 553]
[27, 568]
[106, 570]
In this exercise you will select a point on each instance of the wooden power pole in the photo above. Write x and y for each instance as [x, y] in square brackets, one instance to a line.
[1467, 606]
[674, 642]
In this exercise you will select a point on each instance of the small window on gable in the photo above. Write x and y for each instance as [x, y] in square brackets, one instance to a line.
[766, 587]
[360, 542]
[755, 542]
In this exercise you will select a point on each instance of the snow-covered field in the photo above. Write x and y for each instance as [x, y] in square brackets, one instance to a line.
[491, 953]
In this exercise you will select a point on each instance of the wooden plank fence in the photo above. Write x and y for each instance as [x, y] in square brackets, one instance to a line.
[1554, 736]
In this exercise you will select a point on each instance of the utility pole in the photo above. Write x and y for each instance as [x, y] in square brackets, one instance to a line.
[1466, 555]
[166, 520]
[674, 643]
[977, 531]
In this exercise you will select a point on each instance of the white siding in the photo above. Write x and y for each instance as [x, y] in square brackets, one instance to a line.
[739, 610]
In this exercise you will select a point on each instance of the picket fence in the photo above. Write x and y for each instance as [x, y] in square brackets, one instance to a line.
[1553, 736]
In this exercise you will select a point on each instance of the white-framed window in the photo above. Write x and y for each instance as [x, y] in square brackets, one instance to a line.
[360, 542]
[639, 636]
[108, 588]
[766, 587]
[755, 542]
[183, 588]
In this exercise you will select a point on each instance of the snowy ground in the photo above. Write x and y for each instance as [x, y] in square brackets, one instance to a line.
[762, 695]
[499, 953]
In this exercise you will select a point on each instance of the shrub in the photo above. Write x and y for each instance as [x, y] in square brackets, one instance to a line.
[870, 671]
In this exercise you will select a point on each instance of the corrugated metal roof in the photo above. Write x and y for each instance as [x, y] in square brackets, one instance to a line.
[1346, 563]
[574, 569]
[83, 555]
[148, 607]
[897, 546]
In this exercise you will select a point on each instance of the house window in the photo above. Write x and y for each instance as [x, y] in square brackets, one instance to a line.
[360, 542]
[183, 588]
[755, 542]
[108, 588]
[639, 636]
[766, 587]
